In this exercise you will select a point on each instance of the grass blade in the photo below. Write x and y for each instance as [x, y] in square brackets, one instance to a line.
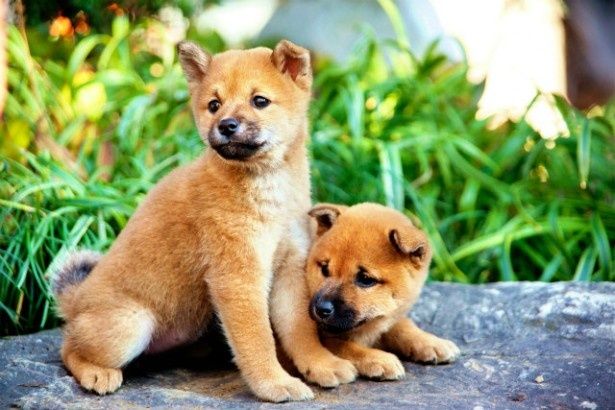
[583, 154]
[551, 269]
[392, 175]
[506, 267]
[601, 242]
[585, 267]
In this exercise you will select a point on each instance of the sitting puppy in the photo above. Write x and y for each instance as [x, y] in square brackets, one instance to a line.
[214, 237]
[365, 270]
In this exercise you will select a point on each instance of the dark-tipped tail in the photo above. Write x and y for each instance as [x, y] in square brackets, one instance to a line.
[74, 270]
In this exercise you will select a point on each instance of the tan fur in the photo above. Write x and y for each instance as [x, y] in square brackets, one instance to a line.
[396, 253]
[209, 238]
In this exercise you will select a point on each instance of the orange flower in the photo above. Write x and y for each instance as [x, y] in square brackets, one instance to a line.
[61, 27]
[115, 9]
[82, 27]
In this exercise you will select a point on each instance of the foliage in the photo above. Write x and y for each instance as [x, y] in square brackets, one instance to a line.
[101, 129]
[87, 136]
[500, 204]
[100, 13]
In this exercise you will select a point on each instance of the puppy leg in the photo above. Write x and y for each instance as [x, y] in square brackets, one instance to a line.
[372, 363]
[102, 380]
[406, 339]
[289, 304]
[239, 292]
[96, 346]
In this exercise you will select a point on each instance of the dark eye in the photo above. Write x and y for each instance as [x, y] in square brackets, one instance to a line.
[213, 106]
[324, 268]
[363, 280]
[260, 102]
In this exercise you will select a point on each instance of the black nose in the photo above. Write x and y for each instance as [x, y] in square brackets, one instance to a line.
[228, 126]
[324, 309]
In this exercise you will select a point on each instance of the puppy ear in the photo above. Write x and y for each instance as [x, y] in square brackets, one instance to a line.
[194, 61]
[295, 61]
[411, 244]
[326, 215]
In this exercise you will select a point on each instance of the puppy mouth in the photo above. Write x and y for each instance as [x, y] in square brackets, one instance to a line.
[339, 328]
[239, 151]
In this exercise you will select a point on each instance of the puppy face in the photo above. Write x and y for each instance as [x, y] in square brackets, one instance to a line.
[249, 105]
[367, 262]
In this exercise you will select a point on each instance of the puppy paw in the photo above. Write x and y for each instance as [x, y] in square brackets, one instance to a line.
[380, 365]
[432, 349]
[100, 380]
[284, 388]
[329, 371]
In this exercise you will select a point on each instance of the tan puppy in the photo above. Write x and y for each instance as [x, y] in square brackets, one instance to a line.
[210, 236]
[365, 271]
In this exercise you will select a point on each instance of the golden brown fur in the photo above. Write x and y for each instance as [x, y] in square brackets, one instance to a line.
[365, 270]
[209, 238]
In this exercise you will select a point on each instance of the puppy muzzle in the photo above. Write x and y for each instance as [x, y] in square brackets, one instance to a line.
[236, 141]
[332, 315]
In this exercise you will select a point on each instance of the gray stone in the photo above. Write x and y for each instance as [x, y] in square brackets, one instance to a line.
[524, 345]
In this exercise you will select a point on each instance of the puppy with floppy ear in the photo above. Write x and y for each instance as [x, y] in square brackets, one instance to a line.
[226, 235]
[365, 270]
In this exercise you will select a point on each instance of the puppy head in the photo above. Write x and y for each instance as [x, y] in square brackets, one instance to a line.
[249, 105]
[367, 262]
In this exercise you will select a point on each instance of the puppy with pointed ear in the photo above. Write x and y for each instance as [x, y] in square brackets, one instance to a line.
[175, 265]
[253, 116]
[365, 270]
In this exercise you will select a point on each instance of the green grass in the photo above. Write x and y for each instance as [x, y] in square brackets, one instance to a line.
[498, 204]
[388, 127]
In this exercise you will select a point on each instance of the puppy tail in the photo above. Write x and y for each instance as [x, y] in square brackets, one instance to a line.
[73, 271]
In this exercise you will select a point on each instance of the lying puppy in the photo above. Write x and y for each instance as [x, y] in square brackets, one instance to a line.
[365, 270]
[209, 238]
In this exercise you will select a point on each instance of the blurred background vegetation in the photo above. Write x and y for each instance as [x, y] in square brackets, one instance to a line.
[97, 112]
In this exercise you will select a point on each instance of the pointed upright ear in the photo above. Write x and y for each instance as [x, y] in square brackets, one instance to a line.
[194, 61]
[325, 216]
[294, 61]
[411, 244]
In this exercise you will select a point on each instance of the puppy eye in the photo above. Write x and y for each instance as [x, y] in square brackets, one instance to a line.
[324, 268]
[363, 280]
[260, 102]
[213, 106]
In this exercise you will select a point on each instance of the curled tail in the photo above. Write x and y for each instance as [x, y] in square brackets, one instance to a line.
[73, 271]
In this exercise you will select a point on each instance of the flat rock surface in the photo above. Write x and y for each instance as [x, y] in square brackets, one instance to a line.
[524, 345]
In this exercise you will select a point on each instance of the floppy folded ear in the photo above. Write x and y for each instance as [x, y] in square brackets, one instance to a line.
[194, 61]
[326, 215]
[411, 244]
[293, 60]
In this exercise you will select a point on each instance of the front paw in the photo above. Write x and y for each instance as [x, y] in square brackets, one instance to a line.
[432, 349]
[282, 388]
[328, 371]
[380, 365]
[102, 381]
